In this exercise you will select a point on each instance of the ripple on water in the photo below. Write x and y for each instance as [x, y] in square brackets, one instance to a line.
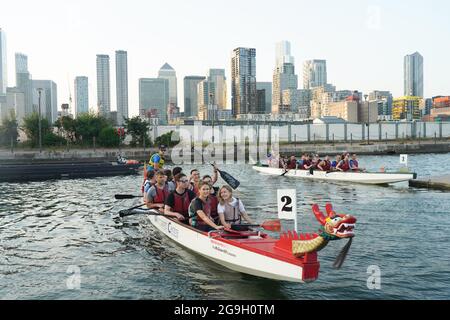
[61, 224]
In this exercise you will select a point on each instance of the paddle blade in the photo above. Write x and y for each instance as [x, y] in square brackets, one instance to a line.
[273, 225]
[342, 255]
[125, 196]
[230, 180]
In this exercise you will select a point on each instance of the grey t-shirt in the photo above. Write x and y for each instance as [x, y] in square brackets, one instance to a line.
[152, 193]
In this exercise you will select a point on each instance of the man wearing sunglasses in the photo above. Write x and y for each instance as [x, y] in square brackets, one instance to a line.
[178, 202]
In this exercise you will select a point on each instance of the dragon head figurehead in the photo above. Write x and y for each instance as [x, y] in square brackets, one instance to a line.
[333, 227]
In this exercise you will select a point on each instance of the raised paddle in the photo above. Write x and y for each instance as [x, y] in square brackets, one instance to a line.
[126, 196]
[228, 178]
[133, 211]
[271, 225]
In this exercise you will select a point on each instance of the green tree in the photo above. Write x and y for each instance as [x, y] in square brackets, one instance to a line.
[108, 137]
[67, 126]
[88, 126]
[167, 139]
[31, 128]
[9, 130]
[138, 129]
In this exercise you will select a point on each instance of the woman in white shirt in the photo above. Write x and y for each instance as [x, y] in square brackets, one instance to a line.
[231, 210]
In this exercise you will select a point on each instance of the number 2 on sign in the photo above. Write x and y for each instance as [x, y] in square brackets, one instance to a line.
[288, 204]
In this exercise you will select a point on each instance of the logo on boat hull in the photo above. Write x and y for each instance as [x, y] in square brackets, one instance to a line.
[172, 230]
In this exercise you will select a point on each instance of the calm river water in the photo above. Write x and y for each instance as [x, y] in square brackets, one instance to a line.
[51, 230]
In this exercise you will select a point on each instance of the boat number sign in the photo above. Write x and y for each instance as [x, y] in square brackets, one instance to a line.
[404, 159]
[287, 205]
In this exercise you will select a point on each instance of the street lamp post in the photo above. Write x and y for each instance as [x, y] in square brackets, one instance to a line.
[40, 125]
[368, 118]
[211, 98]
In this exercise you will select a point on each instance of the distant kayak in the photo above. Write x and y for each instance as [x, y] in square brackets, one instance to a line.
[64, 170]
[353, 177]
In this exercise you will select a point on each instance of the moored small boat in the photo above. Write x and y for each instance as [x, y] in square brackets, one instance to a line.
[376, 178]
[64, 170]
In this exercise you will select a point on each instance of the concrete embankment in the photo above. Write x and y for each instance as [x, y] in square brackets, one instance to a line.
[34, 156]
[437, 183]
[372, 149]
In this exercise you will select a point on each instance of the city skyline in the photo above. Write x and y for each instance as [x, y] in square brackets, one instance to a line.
[358, 63]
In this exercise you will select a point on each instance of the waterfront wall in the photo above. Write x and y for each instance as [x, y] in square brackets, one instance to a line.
[312, 132]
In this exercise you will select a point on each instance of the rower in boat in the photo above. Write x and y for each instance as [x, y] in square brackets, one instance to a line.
[195, 181]
[354, 164]
[231, 210]
[148, 183]
[325, 165]
[344, 165]
[156, 196]
[178, 202]
[200, 210]
[307, 164]
[169, 179]
[336, 162]
[292, 163]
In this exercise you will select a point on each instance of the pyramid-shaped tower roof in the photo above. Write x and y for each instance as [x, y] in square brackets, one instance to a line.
[167, 66]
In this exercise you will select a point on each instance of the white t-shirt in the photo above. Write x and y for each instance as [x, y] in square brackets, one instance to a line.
[221, 208]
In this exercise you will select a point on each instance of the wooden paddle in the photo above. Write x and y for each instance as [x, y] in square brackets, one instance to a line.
[125, 196]
[270, 225]
[228, 178]
[133, 211]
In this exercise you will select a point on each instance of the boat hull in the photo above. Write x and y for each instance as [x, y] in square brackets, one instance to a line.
[239, 256]
[354, 177]
[67, 170]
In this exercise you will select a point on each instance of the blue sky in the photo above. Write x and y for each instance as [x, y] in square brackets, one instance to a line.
[364, 42]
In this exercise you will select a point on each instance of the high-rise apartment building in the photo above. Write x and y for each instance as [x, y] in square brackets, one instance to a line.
[284, 78]
[103, 85]
[167, 72]
[406, 108]
[121, 86]
[283, 54]
[191, 95]
[314, 74]
[243, 87]
[154, 98]
[267, 87]
[81, 95]
[3, 66]
[384, 99]
[217, 76]
[413, 75]
[49, 99]
[23, 82]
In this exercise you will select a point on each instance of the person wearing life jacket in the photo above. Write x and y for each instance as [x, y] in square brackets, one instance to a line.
[307, 164]
[148, 183]
[157, 160]
[325, 165]
[157, 195]
[344, 165]
[231, 210]
[200, 210]
[336, 162]
[292, 163]
[195, 180]
[354, 164]
[178, 202]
